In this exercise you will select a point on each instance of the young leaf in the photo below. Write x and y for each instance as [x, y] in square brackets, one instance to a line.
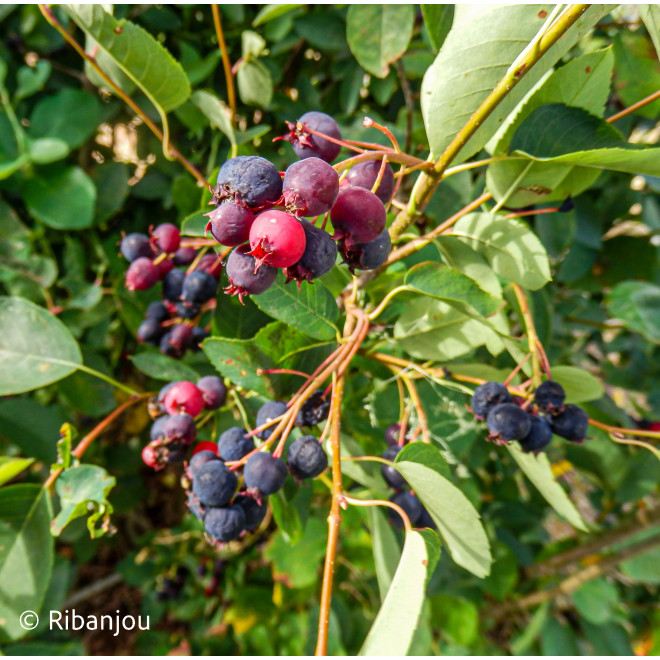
[537, 469]
[458, 521]
[36, 348]
[393, 629]
[379, 35]
[255, 84]
[11, 466]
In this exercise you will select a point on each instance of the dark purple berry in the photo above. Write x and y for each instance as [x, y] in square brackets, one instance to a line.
[187, 310]
[230, 224]
[214, 484]
[134, 246]
[179, 428]
[164, 266]
[364, 175]
[198, 287]
[150, 332]
[319, 256]
[158, 312]
[211, 264]
[167, 348]
[306, 457]
[157, 432]
[410, 504]
[249, 180]
[539, 436]
[166, 237]
[358, 216]
[184, 256]
[310, 187]
[199, 459]
[549, 396]
[572, 423]
[198, 336]
[265, 473]
[173, 285]
[391, 475]
[234, 443]
[392, 434]
[366, 256]
[141, 274]
[225, 524]
[314, 410]
[487, 396]
[213, 391]
[243, 280]
[267, 413]
[254, 512]
[306, 144]
[506, 421]
[425, 520]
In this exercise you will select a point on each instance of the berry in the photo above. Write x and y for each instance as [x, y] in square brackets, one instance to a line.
[226, 523]
[306, 457]
[357, 216]
[392, 434]
[198, 336]
[187, 310]
[134, 246]
[214, 392]
[425, 520]
[314, 410]
[487, 396]
[254, 512]
[277, 239]
[506, 421]
[391, 474]
[230, 224]
[179, 428]
[265, 473]
[306, 144]
[214, 484]
[158, 312]
[243, 280]
[164, 390]
[164, 266]
[200, 458]
[310, 187]
[186, 397]
[572, 423]
[176, 341]
[267, 413]
[173, 285]
[364, 175]
[539, 436]
[319, 256]
[150, 332]
[195, 507]
[166, 237]
[549, 396]
[198, 287]
[184, 256]
[410, 504]
[234, 443]
[156, 431]
[141, 274]
[366, 256]
[150, 457]
[205, 445]
[211, 264]
[250, 180]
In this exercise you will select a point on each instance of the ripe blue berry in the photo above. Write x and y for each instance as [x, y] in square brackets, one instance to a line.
[179, 428]
[267, 413]
[198, 336]
[425, 520]
[306, 457]
[184, 256]
[358, 216]
[391, 475]
[310, 187]
[410, 504]
[243, 280]
[392, 434]
[306, 145]
[173, 285]
[549, 396]
[250, 180]
[230, 223]
[506, 421]
[214, 484]
[265, 473]
[187, 310]
[572, 423]
[234, 443]
[199, 459]
[150, 332]
[214, 392]
[318, 258]
[254, 512]
[364, 175]
[225, 524]
[487, 396]
[157, 311]
[156, 432]
[141, 274]
[539, 436]
[198, 287]
[314, 410]
[134, 246]
[366, 256]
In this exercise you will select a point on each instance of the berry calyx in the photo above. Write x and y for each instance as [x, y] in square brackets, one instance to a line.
[306, 144]
[277, 239]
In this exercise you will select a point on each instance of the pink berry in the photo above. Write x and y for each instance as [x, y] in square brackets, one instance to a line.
[357, 215]
[150, 457]
[141, 274]
[166, 237]
[277, 239]
[184, 397]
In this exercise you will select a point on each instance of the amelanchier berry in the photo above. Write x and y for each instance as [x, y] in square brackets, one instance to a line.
[265, 473]
[249, 180]
[539, 436]
[319, 256]
[571, 423]
[366, 256]
[141, 274]
[391, 474]
[173, 285]
[214, 392]
[410, 504]
[310, 187]
[184, 396]
[314, 410]
[214, 484]
[230, 223]
[392, 433]
[306, 457]
[184, 256]
[487, 396]
[358, 216]
[234, 443]
[243, 280]
[166, 237]
[549, 396]
[198, 287]
[150, 332]
[506, 422]
[277, 239]
[267, 413]
[199, 459]
[308, 145]
[157, 312]
[224, 524]
[364, 175]
[255, 511]
[179, 428]
[211, 264]
[134, 246]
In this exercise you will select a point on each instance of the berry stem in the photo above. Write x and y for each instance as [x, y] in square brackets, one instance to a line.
[530, 330]
[370, 123]
[516, 369]
[386, 503]
[419, 408]
[392, 156]
[379, 178]
[634, 107]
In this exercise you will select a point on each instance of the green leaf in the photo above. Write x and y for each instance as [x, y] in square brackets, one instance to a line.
[537, 469]
[451, 286]
[311, 308]
[438, 20]
[26, 554]
[290, 506]
[70, 115]
[137, 54]
[378, 35]
[216, 111]
[511, 248]
[482, 44]
[392, 631]
[270, 12]
[385, 548]
[456, 617]
[30, 80]
[255, 84]
[82, 489]
[636, 304]
[47, 150]
[10, 467]
[61, 197]
[163, 367]
[36, 348]
[578, 384]
[650, 14]
[458, 521]
[558, 639]
[595, 599]
[194, 224]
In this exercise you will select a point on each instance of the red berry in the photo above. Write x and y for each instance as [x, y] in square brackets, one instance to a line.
[230, 224]
[166, 237]
[358, 216]
[185, 397]
[150, 457]
[164, 267]
[277, 239]
[141, 274]
[205, 446]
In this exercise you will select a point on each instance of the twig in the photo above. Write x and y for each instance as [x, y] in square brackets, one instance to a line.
[635, 106]
[226, 63]
[530, 330]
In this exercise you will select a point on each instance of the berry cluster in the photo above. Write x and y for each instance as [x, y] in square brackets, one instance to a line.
[229, 495]
[175, 409]
[260, 213]
[404, 497]
[509, 419]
